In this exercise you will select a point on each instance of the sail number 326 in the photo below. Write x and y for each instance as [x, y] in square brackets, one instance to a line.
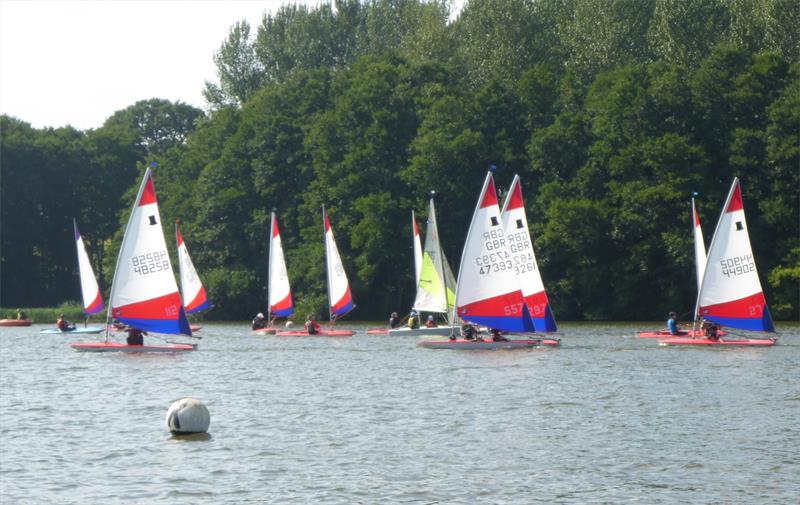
[150, 263]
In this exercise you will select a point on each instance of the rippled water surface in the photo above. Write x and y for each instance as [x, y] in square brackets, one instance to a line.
[605, 418]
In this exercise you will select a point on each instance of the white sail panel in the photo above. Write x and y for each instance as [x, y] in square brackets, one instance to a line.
[90, 291]
[341, 301]
[280, 293]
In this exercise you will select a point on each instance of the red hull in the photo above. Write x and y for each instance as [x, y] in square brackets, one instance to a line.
[378, 331]
[16, 322]
[752, 342]
[667, 334]
[478, 345]
[322, 333]
[119, 347]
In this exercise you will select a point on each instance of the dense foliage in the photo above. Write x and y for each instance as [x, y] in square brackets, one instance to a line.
[613, 112]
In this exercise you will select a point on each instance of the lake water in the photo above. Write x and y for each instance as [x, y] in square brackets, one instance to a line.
[373, 419]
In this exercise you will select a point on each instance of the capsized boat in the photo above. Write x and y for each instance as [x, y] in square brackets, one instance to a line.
[436, 283]
[194, 294]
[144, 294]
[488, 290]
[730, 294]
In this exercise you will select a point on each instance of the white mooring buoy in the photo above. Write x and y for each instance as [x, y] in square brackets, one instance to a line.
[188, 415]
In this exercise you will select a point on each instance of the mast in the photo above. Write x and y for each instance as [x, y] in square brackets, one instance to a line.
[269, 264]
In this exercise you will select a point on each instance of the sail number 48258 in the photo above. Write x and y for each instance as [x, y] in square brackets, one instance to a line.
[149, 263]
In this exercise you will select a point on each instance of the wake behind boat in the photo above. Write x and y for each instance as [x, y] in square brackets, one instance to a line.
[144, 294]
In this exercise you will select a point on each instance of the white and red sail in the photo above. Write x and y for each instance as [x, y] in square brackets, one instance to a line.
[144, 293]
[417, 249]
[280, 292]
[488, 290]
[520, 246]
[194, 294]
[90, 291]
[730, 293]
[340, 299]
[699, 246]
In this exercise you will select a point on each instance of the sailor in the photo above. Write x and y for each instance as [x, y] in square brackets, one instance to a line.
[394, 320]
[672, 324]
[468, 331]
[312, 326]
[21, 315]
[135, 336]
[64, 325]
[497, 336]
[711, 330]
[259, 322]
[413, 320]
[430, 323]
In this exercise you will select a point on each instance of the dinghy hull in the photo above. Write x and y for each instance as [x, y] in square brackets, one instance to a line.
[667, 334]
[16, 322]
[88, 330]
[322, 333]
[751, 342]
[482, 345]
[119, 347]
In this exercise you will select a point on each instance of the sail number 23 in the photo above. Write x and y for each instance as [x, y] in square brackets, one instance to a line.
[150, 263]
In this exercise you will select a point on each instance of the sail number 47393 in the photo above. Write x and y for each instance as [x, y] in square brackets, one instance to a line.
[150, 263]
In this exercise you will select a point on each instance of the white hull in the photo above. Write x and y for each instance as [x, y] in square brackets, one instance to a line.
[417, 332]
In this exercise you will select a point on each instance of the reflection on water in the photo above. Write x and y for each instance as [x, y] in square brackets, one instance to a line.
[606, 418]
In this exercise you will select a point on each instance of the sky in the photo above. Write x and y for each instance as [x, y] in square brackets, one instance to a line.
[77, 62]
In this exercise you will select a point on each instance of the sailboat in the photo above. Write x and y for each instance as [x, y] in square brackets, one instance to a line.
[339, 297]
[700, 266]
[90, 291]
[520, 246]
[279, 303]
[488, 289]
[191, 286]
[435, 282]
[144, 294]
[730, 293]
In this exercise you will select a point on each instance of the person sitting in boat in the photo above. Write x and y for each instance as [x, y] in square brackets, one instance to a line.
[710, 330]
[259, 322]
[497, 336]
[430, 323]
[64, 325]
[21, 315]
[672, 324]
[468, 331]
[135, 336]
[312, 326]
[413, 320]
[394, 320]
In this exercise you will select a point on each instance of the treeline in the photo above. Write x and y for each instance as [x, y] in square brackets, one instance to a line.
[612, 112]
